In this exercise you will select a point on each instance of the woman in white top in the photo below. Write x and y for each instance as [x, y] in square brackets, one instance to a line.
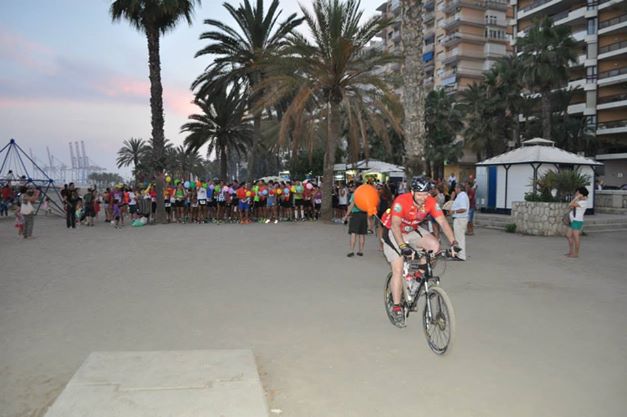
[578, 208]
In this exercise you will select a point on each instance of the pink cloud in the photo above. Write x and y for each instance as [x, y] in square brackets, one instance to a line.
[180, 101]
[26, 52]
[123, 87]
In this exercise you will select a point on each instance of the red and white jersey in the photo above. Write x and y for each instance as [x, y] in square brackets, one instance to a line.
[410, 214]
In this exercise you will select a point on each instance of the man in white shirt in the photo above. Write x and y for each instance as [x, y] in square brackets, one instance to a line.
[452, 181]
[459, 211]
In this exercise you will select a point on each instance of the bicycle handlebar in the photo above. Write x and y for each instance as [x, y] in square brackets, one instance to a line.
[423, 252]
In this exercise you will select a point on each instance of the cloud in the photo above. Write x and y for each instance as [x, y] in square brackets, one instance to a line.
[26, 53]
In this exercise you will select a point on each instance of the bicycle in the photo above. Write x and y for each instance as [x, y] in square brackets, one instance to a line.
[438, 316]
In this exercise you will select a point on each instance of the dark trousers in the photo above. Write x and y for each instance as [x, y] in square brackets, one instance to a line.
[70, 217]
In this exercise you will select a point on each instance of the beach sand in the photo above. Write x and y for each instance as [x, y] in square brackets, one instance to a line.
[537, 334]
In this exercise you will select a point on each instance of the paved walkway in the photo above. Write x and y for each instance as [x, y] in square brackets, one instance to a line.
[538, 334]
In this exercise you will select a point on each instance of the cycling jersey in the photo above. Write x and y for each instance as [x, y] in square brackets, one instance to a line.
[411, 216]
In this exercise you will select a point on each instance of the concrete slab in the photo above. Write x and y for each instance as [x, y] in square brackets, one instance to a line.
[200, 383]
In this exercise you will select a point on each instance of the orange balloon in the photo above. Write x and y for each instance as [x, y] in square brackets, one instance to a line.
[367, 199]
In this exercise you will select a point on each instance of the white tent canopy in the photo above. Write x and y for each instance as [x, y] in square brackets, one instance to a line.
[370, 165]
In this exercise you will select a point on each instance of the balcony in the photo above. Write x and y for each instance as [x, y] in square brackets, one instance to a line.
[613, 127]
[610, 4]
[457, 54]
[454, 21]
[614, 76]
[614, 49]
[547, 6]
[576, 108]
[612, 102]
[427, 81]
[470, 72]
[453, 5]
[570, 16]
[427, 17]
[610, 25]
[457, 37]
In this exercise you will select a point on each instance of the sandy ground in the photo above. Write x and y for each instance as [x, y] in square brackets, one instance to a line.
[537, 334]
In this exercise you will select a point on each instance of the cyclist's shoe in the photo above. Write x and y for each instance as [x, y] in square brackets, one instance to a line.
[398, 316]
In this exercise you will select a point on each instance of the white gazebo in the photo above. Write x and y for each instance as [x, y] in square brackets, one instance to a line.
[506, 178]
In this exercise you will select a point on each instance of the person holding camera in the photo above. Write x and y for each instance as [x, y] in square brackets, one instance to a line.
[578, 209]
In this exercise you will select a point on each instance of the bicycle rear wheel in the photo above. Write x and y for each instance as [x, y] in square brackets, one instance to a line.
[439, 329]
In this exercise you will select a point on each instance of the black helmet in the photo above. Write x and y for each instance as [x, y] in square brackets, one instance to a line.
[421, 184]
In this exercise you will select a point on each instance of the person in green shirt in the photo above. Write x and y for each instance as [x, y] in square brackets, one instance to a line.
[357, 226]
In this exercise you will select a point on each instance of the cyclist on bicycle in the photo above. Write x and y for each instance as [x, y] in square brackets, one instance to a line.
[404, 234]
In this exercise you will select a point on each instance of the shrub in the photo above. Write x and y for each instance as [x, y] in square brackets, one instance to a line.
[558, 185]
[510, 228]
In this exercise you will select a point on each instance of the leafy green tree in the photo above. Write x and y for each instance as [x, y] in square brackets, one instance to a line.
[330, 77]
[483, 131]
[224, 125]
[239, 54]
[443, 123]
[155, 18]
[547, 50]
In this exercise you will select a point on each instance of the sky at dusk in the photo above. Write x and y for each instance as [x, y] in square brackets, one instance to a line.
[67, 73]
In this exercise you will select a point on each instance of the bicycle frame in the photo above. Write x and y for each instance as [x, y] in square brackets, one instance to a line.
[423, 288]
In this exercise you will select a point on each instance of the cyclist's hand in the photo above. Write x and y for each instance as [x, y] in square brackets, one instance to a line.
[407, 251]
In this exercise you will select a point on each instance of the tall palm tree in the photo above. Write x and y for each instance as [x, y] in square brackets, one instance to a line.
[506, 76]
[224, 125]
[332, 80]
[155, 18]
[413, 90]
[239, 53]
[131, 153]
[443, 122]
[183, 162]
[546, 52]
[482, 132]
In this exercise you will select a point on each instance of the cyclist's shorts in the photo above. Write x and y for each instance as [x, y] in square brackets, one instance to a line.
[576, 225]
[411, 238]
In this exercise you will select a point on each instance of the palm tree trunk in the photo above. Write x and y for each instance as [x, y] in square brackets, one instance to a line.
[333, 124]
[156, 110]
[413, 91]
[223, 167]
[546, 114]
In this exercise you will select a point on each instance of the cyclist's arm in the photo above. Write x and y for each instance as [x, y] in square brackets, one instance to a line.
[395, 227]
[446, 228]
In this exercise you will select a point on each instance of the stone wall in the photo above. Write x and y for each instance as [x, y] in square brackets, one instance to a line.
[539, 219]
[615, 199]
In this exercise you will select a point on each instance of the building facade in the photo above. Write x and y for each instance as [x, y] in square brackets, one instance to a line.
[600, 28]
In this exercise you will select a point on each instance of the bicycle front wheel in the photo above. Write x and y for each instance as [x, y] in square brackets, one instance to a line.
[439, 326]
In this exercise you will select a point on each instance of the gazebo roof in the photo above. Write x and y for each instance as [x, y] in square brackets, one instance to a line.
[538, 154]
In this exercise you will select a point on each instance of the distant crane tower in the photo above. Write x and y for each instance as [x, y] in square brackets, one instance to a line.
[81, 168]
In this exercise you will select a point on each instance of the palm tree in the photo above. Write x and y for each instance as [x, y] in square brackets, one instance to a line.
[239, 54]
[331, 78]
[504, 78]
[443, 121]
[132, 152]
[155, 18]
[413, 90]
[183, 162]
[546, 52]
[483, 127]
[224, 125]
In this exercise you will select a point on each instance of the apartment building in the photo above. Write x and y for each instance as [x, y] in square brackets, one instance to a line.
[462, 38]
[600, 28]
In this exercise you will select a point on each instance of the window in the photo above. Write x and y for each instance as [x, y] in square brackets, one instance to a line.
[592, 4]
[495, 33]
[591, 74]
[591, 121]
[491, 20]
[592, 26]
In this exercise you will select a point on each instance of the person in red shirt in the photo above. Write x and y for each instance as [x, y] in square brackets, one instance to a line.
[403, 233]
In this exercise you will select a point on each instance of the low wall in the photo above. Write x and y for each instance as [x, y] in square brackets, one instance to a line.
[539, 219]
[615, 199]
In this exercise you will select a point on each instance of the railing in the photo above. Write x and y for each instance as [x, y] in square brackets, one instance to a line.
[611, 22]
[612, 99]
[613, 73]
[612, 125]
[534, 5]
[613, 47]
[427, 17]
